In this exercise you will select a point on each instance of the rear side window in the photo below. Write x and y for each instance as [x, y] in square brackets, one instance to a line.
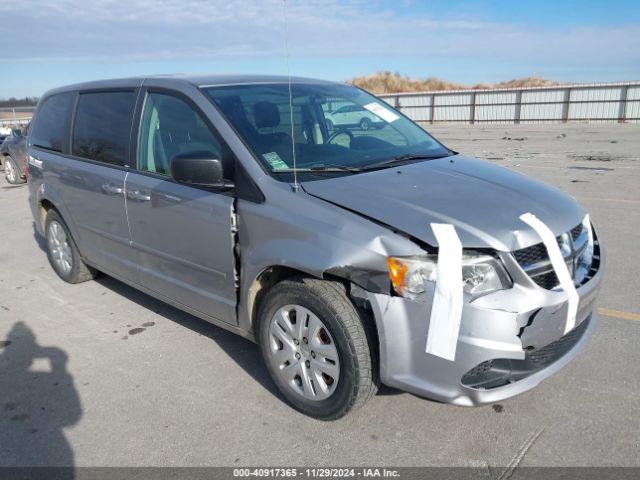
[102, 126]
[51, 127]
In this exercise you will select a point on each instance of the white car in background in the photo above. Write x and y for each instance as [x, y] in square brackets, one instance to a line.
[353, 116]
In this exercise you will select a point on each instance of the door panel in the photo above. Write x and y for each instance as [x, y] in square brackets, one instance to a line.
[94, 197]
[182, 234]
[184, 244]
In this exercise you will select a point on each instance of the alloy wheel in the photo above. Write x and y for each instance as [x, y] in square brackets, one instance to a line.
[10, 171]
[59, 247]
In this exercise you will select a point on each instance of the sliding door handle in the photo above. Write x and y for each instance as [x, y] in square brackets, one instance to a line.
[111, 189]
[138, 196]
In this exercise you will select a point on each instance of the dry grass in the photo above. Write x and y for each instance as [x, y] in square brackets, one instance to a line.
[389, 82]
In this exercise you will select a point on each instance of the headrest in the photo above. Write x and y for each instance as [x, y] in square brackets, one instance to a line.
[266, 114]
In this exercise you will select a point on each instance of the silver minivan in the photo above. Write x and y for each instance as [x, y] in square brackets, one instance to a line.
[352, 254]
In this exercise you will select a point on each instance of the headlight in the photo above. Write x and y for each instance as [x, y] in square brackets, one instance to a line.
[481, 274]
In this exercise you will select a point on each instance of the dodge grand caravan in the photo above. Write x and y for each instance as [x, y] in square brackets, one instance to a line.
[352, 256]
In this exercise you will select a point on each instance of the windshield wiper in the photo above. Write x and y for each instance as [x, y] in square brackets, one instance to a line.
[401, 159]
[390, 162]
[320, 169]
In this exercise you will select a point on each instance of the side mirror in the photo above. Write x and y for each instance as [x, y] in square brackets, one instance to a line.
[197, 168]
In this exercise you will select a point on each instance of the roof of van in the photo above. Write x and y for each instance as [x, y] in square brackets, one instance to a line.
[197, 80]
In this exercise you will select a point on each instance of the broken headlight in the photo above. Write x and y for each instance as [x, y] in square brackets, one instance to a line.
[481, 274]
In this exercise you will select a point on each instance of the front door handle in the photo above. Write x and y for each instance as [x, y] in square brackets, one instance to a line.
[138, 196]
[111, 189]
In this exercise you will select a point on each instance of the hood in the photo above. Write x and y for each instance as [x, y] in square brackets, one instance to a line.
[483, 201]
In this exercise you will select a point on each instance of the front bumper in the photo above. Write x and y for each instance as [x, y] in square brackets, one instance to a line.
[509, 341]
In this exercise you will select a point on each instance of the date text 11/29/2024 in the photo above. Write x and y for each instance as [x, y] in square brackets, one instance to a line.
[317, 472]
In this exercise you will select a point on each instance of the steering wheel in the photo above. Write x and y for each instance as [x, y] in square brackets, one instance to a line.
[340, 132]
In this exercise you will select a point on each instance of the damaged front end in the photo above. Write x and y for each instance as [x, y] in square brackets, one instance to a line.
[508, 340]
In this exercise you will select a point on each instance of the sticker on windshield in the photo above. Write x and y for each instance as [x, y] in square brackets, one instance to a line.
[382, 112]
[275, 161]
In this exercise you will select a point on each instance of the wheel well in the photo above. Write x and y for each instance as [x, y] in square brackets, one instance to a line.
[272, 275]
[263, 283]
[45, 206]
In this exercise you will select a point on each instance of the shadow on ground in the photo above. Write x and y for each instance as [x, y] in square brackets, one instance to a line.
[38, 400]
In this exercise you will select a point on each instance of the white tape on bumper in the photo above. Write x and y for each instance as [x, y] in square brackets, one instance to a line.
[558, 264]
[446, 310]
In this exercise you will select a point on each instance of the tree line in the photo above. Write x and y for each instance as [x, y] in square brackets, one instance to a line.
[18, 102]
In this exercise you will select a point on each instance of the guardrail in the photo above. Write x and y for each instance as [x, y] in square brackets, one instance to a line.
[596, 102]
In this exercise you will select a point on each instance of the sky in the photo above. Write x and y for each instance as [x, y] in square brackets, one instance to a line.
[51, 43]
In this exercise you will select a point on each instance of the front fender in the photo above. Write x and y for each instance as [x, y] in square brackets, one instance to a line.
[315, 238]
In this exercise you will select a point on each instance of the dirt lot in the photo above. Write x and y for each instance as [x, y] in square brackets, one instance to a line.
[98, 374]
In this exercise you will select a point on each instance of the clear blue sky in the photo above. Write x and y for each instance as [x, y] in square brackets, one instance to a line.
[50, 43]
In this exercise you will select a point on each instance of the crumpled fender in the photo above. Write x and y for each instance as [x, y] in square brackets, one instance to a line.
[316, 238]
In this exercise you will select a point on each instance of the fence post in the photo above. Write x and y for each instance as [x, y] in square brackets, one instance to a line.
[622, 111]
[473, 108]
[518, 111]
[565, 105]
[433, 108]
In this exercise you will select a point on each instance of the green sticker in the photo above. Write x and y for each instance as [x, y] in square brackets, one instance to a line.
[275, 161]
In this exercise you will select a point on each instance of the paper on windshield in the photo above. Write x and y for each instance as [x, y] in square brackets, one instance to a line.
[275, 161]
[382, 112]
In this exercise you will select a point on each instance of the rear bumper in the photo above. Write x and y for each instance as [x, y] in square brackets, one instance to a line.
[508, 343]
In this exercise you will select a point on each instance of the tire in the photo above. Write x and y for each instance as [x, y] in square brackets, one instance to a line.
[11, 172]
[342, 330]
[366, 124]
[62, 251]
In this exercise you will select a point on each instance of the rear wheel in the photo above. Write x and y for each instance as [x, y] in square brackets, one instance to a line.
[11, 172]
[62, 252]
[314, 344]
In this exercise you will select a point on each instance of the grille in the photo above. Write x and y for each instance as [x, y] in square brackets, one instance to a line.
[576, 231]
[534, 260]
[530, 255]
[480, 369]
[503, 371]
[556, 349]
[547, 280]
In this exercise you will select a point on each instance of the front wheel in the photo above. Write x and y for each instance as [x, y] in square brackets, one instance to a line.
[314, 344]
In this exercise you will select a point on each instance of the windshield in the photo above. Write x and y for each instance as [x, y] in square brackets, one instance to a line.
[334, 126]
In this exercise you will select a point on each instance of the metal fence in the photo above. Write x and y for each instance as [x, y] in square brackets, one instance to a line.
[16, 115]
[597, 102]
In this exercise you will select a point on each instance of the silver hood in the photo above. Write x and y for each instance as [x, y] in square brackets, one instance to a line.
[483, 201]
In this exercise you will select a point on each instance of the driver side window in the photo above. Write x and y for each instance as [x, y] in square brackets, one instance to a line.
[170, 126]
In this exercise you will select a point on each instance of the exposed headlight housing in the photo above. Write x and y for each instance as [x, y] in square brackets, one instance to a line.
[481, 274]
